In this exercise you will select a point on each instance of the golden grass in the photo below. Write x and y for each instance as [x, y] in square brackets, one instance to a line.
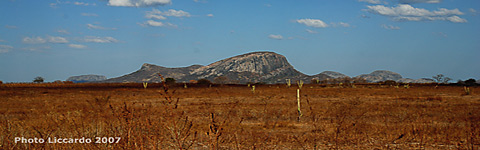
[370, 116]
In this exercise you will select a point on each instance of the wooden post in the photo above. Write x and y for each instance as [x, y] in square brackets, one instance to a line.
[298, 105]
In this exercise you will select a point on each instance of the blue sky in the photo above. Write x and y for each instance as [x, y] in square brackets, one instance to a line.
[56, 39]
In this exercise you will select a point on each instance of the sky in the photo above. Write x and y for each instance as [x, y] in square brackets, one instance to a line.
[56, 39]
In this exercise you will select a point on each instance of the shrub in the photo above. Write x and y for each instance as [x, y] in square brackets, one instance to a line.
[170, 81]
[204, 82]
[470, 82]
[1, 82]
[314, 81]
[38, 79]
[389, 82]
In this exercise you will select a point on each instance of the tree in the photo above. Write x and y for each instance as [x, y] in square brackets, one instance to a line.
[314, 81]
[460, 82]
[38, 79]
[470, 82]
[440, 78]
[204, 82]
[170, 81]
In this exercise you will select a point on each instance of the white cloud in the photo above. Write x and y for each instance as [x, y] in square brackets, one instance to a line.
[154, 16]
[419, 1]
[405, 12]
[56, 39]
[472, 10]
[390, 27]
[371, 1]
[455, 19]
[159, 15]
[89, 14]
[364, 16]
[78, 46]
[91, 26]
[175, 13]
[276, 37]
[5, 48]
[153, 23]
[94, 39]
[312, 23]
[341, 24]
[41, 40]
[138, 3]
[63, 31]
[84, 4]
[56, 4]
[53, 5]
[311, 31]
[200, 1]
[441, 34]
[209, 15]
[34, 40]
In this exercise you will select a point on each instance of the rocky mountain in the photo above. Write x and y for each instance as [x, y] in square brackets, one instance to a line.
[149, 73]
[383, 75]
[86, 78]
[266, 67]
[328, 75]
[334, 74]
[380, 75]
[253, 67]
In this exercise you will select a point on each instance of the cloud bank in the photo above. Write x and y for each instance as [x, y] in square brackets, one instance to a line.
[405, 12]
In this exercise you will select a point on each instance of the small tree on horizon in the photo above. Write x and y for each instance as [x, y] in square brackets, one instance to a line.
[470, 82]
[38, 79]
[440, 78]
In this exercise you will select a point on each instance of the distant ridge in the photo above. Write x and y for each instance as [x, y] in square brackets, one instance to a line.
[266, 67]
[380, 75]
[86, 78]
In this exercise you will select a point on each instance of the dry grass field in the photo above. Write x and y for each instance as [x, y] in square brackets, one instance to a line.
[367, 116]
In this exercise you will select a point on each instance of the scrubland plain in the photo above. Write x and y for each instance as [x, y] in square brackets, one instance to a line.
[363, 116]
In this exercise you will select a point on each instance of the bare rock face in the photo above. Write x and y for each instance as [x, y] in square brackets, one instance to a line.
[266, 67]
[86, 78]
[380, 75]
